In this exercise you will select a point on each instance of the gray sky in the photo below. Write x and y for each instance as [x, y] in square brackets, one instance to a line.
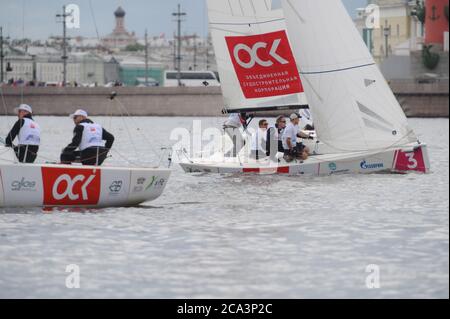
[35, 19]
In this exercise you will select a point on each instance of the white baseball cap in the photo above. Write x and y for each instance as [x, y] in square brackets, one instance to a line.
[24, 107]
[79, 113]
[295, 116]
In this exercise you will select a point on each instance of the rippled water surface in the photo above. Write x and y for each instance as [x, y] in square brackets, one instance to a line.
[213, 236]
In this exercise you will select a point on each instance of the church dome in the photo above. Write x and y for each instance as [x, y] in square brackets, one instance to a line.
[120, 13]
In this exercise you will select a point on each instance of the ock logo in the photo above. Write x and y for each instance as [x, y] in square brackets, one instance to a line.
[71, 186]
[265, 65]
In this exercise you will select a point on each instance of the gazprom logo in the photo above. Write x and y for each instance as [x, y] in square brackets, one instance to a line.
[365, 165]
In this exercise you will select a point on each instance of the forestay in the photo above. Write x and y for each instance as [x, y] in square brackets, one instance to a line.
[353, 107]
[255, 60]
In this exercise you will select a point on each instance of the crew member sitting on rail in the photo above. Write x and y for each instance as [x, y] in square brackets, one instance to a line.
[274, 142]
[293, 149]
[258, 146]
[232, 128]
[89, 138]
[28, 133]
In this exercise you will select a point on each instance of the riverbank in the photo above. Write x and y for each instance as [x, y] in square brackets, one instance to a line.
[418, 100]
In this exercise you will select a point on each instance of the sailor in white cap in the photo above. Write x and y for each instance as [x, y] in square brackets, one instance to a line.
[93, 142]
[28, 134]
[293, 149]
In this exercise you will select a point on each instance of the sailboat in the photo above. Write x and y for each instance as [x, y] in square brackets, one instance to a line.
[309, 54]
[76, 186]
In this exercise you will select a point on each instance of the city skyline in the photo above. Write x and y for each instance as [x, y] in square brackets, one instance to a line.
[36, 20]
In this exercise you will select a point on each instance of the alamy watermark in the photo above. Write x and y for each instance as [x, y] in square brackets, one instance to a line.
[73, 280]
[373, 280]
[73, 17]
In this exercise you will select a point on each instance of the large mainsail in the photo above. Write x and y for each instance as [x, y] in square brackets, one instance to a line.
[257, 67]
[353, 106]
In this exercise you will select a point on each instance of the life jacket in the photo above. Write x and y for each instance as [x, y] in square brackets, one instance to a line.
[30, 133]
[92, 136]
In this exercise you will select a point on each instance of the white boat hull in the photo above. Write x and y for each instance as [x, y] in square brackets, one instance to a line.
[77, 186]
[412, 158]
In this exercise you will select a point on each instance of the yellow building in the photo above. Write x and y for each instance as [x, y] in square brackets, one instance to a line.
[399, 32]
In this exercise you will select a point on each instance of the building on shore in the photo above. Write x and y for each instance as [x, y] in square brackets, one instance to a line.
[120, 38]
[399, 42]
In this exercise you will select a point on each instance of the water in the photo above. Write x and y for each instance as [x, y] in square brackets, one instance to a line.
[214, 236]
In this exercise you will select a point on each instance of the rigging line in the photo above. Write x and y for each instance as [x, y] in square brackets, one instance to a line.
[127, 160]
[247, 23]
[338, 70]
[5, 107]
[127, 129]
[95, 21]
[137, 126]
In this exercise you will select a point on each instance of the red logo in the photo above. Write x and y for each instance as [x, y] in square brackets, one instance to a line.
[265, 65]
[410, 161]
[70, 187]
[93, 129]
[32, 125]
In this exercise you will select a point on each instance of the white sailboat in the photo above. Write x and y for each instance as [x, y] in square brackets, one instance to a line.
[356, 116]
[68, 186]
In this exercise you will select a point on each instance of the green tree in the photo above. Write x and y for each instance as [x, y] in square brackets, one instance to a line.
[135, 47]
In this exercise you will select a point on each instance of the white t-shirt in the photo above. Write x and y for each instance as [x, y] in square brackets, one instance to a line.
[291, 132]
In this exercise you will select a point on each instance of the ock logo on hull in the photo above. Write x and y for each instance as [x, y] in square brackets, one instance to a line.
[68, 187]
[265, 65]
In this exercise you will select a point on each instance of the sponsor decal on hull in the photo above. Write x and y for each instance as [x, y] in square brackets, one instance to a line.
[71, 187]
[23, 185]
[365, 165]
[410, 161]
[265, 65]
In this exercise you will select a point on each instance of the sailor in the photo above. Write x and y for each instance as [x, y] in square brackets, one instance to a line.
[294, 149]
[258, 146]
[274, 139]
[28, 133]
[89, 138]
[232, 128]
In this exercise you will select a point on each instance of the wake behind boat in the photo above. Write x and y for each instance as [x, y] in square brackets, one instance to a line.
[310, 51]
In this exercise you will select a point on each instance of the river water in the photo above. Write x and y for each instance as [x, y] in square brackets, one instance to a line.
[213, 236]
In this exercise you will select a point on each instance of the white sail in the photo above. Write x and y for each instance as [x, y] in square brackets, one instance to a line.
[352, 104]
[255, 60]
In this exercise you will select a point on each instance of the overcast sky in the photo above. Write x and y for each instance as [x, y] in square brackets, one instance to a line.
[35, 19]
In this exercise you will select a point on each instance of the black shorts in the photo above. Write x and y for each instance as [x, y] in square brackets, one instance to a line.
[26, 153]
[92, 156]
